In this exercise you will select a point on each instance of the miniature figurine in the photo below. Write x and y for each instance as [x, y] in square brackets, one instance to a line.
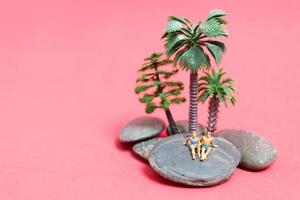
[191, 44]
[192, 143]
[205, 145]
[218, 89]
[157, 91]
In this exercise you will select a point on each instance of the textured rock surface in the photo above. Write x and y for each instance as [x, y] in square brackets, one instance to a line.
[172, 160]
[143, 148]
[183, 127]
[257, 153]
[141, 128]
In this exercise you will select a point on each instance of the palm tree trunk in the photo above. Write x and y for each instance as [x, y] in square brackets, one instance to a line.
[213, 110]
[172, 124]
[193, 109]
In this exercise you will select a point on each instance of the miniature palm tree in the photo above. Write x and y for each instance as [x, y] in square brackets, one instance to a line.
[212, 86]
[190, 44]
[157, 91]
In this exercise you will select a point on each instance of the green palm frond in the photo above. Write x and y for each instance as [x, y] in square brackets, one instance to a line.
[175, 42]
[194, 58]
[204, 96]
[174, 25]
[214, 24]
[212, 84]
[217, 49]
[177, 23]
[215, 13]
[233, 88]
[227, 80]
[213, 28]
[186, 41]
[233, 100]
[180, 19]
[179, 54]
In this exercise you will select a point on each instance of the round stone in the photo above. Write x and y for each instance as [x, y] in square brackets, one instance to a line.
[143, 149]
[257, 152]
[141, 128]
[172, 160]
[183, 127]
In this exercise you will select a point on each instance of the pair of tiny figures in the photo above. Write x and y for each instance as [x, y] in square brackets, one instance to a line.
[202, 146]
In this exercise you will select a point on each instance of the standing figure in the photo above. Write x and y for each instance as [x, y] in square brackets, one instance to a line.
[204, 145]
[192, 143]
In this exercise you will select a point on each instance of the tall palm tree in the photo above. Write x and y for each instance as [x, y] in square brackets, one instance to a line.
[191, 44]
[212, 86]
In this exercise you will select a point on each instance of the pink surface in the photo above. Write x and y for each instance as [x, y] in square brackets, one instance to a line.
[67, 71]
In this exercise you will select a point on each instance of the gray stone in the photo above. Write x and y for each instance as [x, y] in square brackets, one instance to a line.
[141, 128]
[183, 127]
[257, 152]
[172, 160]
[143, 149]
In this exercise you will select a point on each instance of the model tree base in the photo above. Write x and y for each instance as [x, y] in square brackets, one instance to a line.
[172, 160]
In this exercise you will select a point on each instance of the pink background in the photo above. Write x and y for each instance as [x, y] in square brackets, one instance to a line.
[67, 71]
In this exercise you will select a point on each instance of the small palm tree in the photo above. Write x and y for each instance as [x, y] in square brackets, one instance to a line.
[158, 92]
[212, 86]
[191, 44]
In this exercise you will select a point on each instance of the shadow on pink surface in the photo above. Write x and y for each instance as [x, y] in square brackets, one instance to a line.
[122, 146]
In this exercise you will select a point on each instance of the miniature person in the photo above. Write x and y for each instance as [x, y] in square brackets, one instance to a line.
[192, 143]
[205, 145]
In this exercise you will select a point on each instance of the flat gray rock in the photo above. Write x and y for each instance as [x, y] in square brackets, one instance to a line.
[141, 128]
[172, 160]
[143, 149]
[183, 127]
[257, 152]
